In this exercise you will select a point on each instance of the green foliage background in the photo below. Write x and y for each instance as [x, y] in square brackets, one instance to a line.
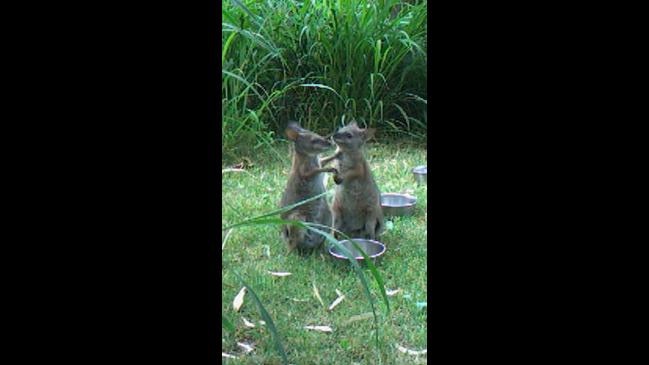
[321, 63]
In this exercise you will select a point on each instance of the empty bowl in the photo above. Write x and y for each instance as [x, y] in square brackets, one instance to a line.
[396, 204]
[420, 173]
[372, 248]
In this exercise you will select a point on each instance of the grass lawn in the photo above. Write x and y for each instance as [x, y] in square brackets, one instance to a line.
[290, 300]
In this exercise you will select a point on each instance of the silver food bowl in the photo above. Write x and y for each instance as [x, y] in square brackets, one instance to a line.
[395, 204]
[420, 173]
[372, 248]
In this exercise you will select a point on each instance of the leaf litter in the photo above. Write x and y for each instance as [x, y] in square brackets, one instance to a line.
[246, 347]
[317, 294]
[340, 298]
[392, 292]
[247, 323]
[358, 317]
[280, 274]
[238, 300]
[411, 352]
[319, 328]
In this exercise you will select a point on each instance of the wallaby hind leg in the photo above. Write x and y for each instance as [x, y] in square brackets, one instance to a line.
[373, 228]
[370, 228]
[380, 226]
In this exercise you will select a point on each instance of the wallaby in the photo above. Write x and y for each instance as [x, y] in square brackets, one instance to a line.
[357, 203]
[305, 181]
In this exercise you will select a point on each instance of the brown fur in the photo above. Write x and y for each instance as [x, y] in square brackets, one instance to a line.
[305, 181]
[357, 204]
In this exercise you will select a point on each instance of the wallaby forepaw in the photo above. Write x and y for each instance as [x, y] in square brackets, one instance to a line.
[337, 179]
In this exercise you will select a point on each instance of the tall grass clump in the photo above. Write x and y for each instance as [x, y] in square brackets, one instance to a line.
[322, 63]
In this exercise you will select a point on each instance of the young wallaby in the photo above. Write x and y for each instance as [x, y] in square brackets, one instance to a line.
[357, 203]
[305, 181]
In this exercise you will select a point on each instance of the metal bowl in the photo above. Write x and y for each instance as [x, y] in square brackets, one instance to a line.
[420, 173]
[395, 204]
[372, 248]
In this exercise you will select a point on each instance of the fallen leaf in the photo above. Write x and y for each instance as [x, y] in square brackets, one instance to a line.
[392, 292]
[263, 323]
[281, 274]
[336, 302]
[246, 347]
[232, 170]
[317, 294]
[319, 328]
[340, 294]
[299, 300]
[238, 300]
[421, 305]
[223, 354]
[358, 317]
[248, 324]
[411, 352]
[389, 225]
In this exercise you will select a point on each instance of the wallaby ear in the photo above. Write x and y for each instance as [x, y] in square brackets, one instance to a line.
[353, 123]
[293, 130]
[369, 133]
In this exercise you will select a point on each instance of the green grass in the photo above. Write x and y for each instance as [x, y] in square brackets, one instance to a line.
[253, 251]
[321, 63]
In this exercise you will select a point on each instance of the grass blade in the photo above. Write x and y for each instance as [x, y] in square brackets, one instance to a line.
[269, 321]
[359, 273]
[322, 87]
[226, 323]
[277, 211]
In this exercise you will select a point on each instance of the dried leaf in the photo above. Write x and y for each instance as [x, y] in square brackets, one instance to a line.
[336, 302]
[238, 300]
[232, 170]
[392, 292]
[358, 317]
[299, 300]
[389, 225]
[263, 323]
[411, 352]
[340, 294]
[317, 294]
[248, 324]
[246, 347]
[319, 328]
[223, 354]
[421, 305]
[280, 274]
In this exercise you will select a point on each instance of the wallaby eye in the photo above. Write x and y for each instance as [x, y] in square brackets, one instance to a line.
[348, 135]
